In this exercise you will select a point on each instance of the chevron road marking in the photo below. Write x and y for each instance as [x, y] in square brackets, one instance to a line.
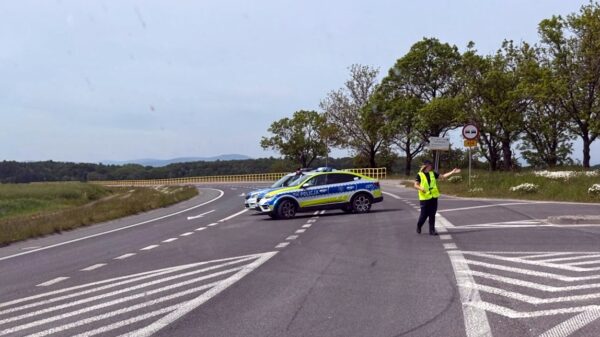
[119, 307]
[199, 215]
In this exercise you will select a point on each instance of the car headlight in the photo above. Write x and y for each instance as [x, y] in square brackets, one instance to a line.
[265, 200]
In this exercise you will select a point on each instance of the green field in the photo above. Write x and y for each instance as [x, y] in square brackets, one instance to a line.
[485, 184]
[31, 210]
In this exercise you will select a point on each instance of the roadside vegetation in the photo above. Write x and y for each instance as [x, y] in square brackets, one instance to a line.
[574, 186]
[32, 210]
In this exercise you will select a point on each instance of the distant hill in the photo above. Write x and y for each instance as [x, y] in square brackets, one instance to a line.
[165, 162]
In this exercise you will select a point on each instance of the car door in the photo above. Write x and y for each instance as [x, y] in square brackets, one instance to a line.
[314, 191]
[341, 186]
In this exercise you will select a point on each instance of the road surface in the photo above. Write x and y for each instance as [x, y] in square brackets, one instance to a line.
[207, 267]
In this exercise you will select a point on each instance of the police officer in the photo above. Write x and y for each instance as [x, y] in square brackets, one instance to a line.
[426, 184]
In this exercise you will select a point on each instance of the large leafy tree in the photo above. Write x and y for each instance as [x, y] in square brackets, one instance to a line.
[428, 74]
[546, 140]
[358, 124]
[494, 99]
[572, 46]
[300, 138]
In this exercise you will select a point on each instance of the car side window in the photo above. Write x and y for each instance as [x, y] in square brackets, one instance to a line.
[340, 178]
[317, 181]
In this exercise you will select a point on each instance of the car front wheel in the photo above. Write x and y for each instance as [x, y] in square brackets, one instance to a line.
[361, 203]
[286, 209]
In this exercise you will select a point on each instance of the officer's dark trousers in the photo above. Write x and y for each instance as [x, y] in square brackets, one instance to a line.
[428, 210]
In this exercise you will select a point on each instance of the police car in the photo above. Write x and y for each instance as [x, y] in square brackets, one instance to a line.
[254, 197]
[350, 192]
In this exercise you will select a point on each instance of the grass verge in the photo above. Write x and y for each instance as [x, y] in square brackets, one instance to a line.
[485, 184]
[32, 210]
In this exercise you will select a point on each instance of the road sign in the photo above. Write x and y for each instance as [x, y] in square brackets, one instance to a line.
[470, 132]
[470, 143]
[439, 143]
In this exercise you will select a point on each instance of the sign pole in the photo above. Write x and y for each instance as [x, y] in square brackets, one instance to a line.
[437, 161]
[469, 167]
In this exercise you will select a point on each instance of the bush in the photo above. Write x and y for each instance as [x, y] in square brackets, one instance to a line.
[594, 190]
[525, 188]
[455, 179]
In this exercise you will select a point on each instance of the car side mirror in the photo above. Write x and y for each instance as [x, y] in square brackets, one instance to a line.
[305, 185]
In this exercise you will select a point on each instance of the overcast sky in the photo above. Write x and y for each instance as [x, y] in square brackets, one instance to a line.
[97, 80]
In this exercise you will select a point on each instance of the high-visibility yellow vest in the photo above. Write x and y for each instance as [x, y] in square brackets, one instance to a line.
[430, 188]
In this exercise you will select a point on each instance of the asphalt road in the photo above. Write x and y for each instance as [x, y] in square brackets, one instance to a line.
[206, 267]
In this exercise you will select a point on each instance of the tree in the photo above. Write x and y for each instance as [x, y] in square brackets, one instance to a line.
[428, 73]
[358, 124]
[493, 99]
[572, 46]
[546, 139]
[300, 138]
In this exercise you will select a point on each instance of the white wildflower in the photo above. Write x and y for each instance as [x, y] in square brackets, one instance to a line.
[594, 190]
[525, 188]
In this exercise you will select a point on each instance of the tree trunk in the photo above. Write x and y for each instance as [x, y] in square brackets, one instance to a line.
[586, 151]
[507, 155]
[372, 162]
[408, 165]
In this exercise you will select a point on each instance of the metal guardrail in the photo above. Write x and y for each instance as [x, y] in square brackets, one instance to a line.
[377, 173]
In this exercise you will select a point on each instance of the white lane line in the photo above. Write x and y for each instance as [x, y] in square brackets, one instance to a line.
[450, 246]
[571, 258]
[311, 221]
[316, 213]
[510, 313]
[212, 224]
[234, 215]
[149, 247]
[96, 266]
[292, 237]
[322, 212]
[529, 262]
[573, 324]
[487, 206]
[193, 304]
[199, 215]
[53, 281]
[392, 195]
[169, 240]
[445, 237]
[124, 256]
[103, 284]
[476, 321]
[533, 285]
[531, 299]
[107, 327]
[187, 233]
[221, 193]
[300, 231]
[200, 229]
[307, 225]
[282, 245]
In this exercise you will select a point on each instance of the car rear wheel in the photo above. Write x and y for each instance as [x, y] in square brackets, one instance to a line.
[361, 203]
[286, 209]
[347, 208]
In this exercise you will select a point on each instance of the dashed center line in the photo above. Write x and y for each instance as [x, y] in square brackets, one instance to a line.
[282, 245]
[96, 266]
[212, 224]
[446, 237]
[169, 240]
[187, 234]
[149, 247]
[300, 231]
[200, 229]
[307, 225]
[311, 220]
[292, 237]
[124, 256]
[53, 281]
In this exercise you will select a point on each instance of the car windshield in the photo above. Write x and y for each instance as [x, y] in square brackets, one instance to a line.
[297, 179]
[283, 182]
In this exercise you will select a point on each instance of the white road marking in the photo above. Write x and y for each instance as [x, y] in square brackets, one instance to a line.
[212, 224]
[187, 233]
[234, 215]
[487, 206]
[200, 229]
[53, 281]
[530, 299]
[199, 215]
[96, 266]
[30, 248]
[311, 221]
[316, 213]
[282, 245]
[573, 324]
[149, 247]
[191, 305]
[533, 285]
[300, 231]
[124, 256]
[571, 258]
[446, 237]
[322, 212]
[292, 237]
[510, 313]
[530, 262]
[392, 195]
[307, 225]
[169, 240]
[450, 246]
[221, 193]
[476, 321]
